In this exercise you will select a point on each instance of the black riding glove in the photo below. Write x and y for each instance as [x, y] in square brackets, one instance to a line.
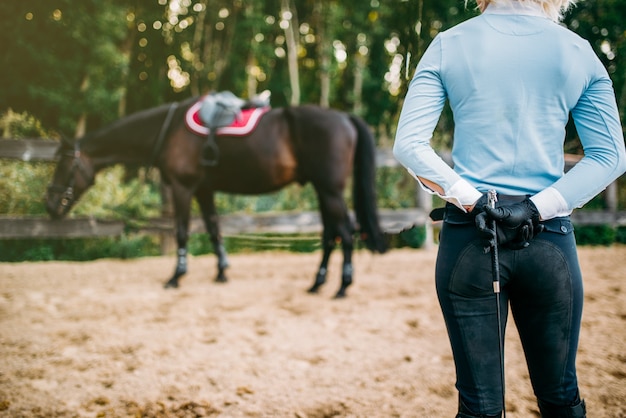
[516, 224]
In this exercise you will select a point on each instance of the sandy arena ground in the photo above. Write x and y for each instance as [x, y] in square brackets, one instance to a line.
[104, 339]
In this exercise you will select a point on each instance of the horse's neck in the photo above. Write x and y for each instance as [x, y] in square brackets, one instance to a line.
[128, 141]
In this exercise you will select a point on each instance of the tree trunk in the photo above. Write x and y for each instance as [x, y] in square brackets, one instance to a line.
[358, 84]
[251, 81]
[217, 48]
[81, 124]
[287, 13]
[324, 51]
[126, 50]
[196, 48]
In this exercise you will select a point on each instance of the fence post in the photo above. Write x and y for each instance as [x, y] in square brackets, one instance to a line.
[611, 198]
[424, 201]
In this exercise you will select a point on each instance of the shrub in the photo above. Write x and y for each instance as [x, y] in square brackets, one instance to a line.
[595, 235]
[620, 235]
[78, 249]
[21, 125]
[413, 237]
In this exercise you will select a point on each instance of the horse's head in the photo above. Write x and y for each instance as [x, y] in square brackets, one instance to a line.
[73, 175]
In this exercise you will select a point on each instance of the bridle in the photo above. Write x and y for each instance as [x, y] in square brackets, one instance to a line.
[67, 192]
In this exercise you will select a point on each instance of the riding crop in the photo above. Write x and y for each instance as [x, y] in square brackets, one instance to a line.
[495, 270]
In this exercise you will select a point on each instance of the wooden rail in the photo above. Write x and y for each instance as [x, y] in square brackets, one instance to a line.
[233, 224]
[28, 149]
[392, 221]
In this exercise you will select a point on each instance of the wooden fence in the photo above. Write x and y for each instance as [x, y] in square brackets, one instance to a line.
[392, 221]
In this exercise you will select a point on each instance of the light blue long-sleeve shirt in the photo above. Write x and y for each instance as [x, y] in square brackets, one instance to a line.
[512, 78]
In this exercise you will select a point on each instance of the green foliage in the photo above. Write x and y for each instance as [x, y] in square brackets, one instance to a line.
[620, 235]
[20, 125]
[413, 237]
[63, 59]
[22, 187]
[23, 184]
[112, 197]
[595, 235]
[124, 247]
[395, 188]
[292, 197]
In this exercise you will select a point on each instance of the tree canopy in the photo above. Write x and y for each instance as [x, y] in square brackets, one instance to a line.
[76, 65]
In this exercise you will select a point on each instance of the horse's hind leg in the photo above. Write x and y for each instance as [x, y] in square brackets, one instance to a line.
[337, 227]
[206, 200]
[346, 268]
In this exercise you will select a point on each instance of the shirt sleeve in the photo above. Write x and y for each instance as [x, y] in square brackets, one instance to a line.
[420, 113]
[598, 125]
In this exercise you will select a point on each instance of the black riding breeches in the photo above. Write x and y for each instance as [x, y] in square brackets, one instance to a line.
[542, 284]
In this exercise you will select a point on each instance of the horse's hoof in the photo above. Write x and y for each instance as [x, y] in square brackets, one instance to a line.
[171, 285]
[340, 294]
[314, 289]
[221, 280]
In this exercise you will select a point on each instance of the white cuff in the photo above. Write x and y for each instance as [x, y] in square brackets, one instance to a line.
[462, 194]
[551, 204]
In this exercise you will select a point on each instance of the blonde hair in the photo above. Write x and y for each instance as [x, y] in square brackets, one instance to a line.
[553, 9]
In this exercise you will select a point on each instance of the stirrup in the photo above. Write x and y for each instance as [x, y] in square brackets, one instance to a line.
[210, 151]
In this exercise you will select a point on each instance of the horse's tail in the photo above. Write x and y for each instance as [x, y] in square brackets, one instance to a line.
[364, 188]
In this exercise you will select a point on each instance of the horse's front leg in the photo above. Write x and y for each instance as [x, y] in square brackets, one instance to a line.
[180, 270]
[182, 208]
[206, 200]
[337, 227]
[222, 260]
[346, 269]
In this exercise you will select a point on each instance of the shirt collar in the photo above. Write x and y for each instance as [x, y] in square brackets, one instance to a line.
[527, 8]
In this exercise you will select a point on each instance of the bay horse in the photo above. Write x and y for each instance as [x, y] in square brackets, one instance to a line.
[299, 144]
